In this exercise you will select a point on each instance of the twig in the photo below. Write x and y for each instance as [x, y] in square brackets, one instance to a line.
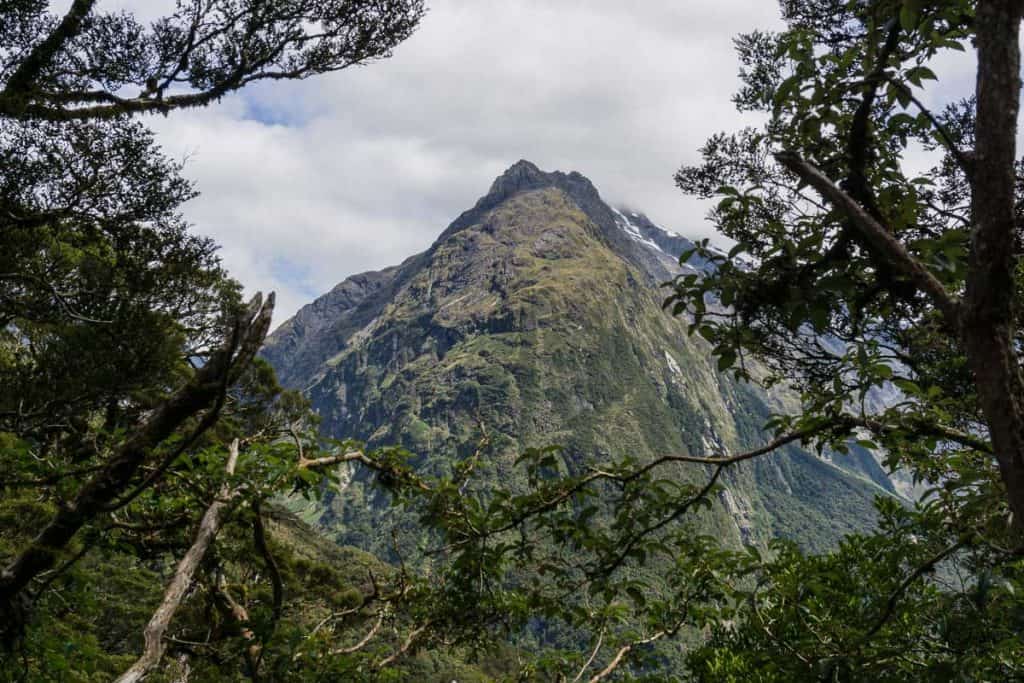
[413, 635]
[890, 605]
[365, 639]
[593, 656]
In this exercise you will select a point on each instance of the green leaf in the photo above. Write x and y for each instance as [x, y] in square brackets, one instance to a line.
[910, 13]
[787, 87]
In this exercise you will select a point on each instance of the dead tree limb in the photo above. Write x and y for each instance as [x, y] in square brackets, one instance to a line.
[182, 579]
[406, 645]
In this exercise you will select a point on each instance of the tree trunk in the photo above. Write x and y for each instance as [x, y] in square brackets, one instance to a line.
[988, 315]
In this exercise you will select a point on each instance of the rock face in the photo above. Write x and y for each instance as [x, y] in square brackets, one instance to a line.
[537, 313]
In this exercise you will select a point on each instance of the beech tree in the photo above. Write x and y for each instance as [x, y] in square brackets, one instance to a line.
[889, 295]
[851, 243]
[121, 334]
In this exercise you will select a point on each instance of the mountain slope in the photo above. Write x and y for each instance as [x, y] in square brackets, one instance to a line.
[536, 313]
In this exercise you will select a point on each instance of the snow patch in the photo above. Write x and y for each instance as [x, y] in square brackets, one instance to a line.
[634, 232]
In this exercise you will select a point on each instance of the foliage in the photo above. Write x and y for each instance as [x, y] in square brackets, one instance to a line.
[82, 65]
[865, 283]
[885, 298]
[126, 352]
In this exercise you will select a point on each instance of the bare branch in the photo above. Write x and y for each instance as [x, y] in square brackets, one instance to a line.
[361, 457]
[206, 386]
[626, 649]
[400, 652]
[593, 656]
[182, 579]
[364, 640]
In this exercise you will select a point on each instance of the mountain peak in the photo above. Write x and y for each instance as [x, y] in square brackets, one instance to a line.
[523, 166]
[538, 314]
[524, 176]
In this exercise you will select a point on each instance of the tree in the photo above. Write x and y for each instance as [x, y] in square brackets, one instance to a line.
[889, 296]
[911, 274]
[121, 333]
[79, 66]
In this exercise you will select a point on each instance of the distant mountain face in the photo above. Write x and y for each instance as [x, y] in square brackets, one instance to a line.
[537, 313]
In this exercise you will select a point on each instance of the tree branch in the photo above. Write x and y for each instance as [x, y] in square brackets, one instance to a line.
[626, 649]
[923, 427]
[203, 390]
[364, 640]
[182, 579]
[724, 460]
[623, 553]
[880, 238]
[410, 639]
[260, 541]
[593, 656]
[360, 456]
[961, 159]
[720, 463]
[42, 54]
[239, 616]
[858, 143]
[890, 605]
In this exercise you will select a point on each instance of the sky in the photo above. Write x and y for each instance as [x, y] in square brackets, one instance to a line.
[306, 183]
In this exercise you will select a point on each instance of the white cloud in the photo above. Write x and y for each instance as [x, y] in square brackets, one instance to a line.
[367, 166]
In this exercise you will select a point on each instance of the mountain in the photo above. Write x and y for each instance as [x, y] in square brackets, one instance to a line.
[537, 314]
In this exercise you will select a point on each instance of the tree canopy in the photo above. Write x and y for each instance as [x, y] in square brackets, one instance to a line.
[126, 351]
[888, 295]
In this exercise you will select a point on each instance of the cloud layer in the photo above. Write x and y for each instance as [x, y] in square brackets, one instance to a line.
[307, 183]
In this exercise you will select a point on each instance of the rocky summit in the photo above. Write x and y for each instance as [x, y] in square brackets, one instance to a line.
[536, 314]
